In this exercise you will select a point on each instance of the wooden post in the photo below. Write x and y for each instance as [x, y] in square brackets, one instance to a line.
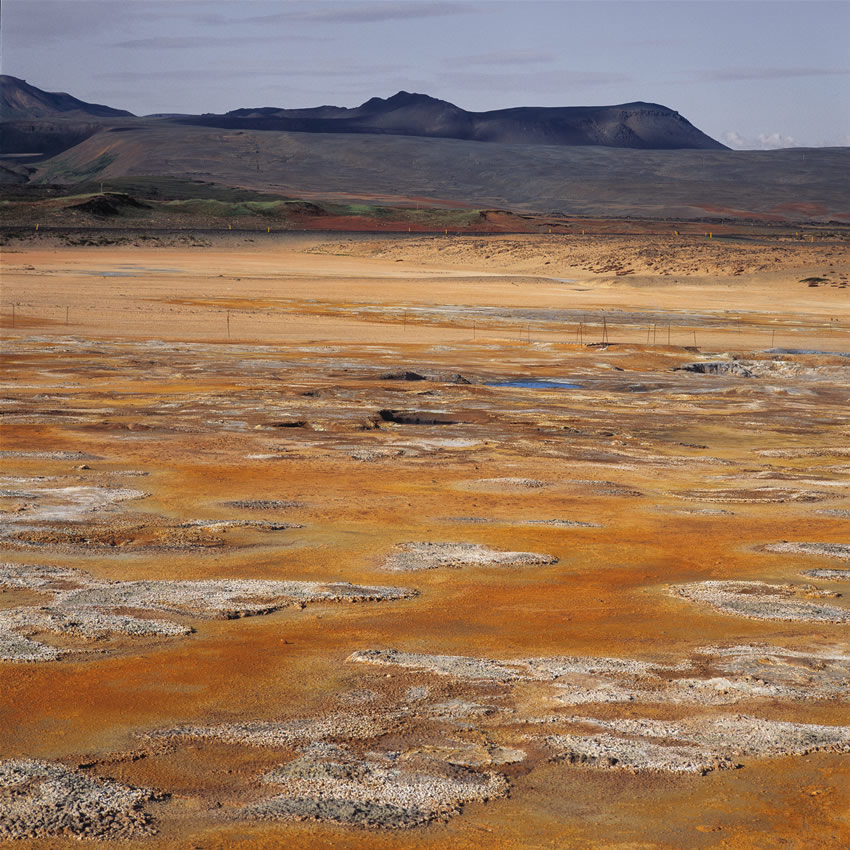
[66, 314]
[695, 339]
[228, 324]
[13, 314]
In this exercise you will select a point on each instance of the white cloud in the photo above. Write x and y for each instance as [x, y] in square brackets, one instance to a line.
[761, 142]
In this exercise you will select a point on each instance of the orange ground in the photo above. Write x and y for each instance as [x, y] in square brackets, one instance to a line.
[312, 325]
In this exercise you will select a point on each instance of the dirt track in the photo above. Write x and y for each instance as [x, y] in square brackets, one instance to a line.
[599, 689]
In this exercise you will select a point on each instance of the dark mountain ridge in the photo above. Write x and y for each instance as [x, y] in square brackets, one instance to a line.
[19, 100]
[648, 126]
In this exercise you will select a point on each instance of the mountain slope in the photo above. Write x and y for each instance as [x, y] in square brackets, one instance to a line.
[630, 125]
[20, 100]
[795, 184]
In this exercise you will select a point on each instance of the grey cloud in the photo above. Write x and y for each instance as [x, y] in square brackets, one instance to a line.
[738, 74]
[364, 13]
[261, 76]
[32, 24]
[531, 81]
[166, 42]
[506, 57]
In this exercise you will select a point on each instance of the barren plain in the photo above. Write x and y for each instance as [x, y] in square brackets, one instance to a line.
[417, 542]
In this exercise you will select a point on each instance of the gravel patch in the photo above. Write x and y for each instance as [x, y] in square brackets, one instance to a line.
[41, 800]
[263, 504]
[430, 556]
[554, 523]
[91, 608]
[718, 367]
[695, 745]
[609, 751]
[48, 455]
[288, 733]
[66, 504]
[225, 524]
[831, 575]
[761, 601]
[837, 451]
[831, 550]
[558, 523]
[382, 790]
[493, 670]
[755, 495]
[499, 485]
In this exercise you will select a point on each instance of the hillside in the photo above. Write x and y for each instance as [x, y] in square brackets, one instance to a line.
[795, 184]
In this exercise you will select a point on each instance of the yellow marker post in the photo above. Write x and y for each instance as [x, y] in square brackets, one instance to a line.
[268, 230]
[709, 236]
[582, 233]
[36, 227]
[229, 227]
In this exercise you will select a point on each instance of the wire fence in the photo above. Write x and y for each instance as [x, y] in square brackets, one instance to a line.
[218, 322]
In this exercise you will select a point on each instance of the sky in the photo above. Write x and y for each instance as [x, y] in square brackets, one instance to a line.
[760, 74]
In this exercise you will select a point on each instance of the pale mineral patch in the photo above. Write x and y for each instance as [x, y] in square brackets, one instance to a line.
[284, 733]
[263, 504]
[90, 608]
[609, 751]
[755, 495]
[830, 550]
[831, 575]
[379, 790]
[836, 512]
[66, 504]
[43, 800]
[528, 669]
[761, 601]
[430, 556]
[694, 745]
[508, 484]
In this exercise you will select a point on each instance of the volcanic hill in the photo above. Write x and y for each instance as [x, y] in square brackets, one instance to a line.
[629, 125]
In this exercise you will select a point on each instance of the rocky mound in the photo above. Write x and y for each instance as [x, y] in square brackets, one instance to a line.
[109, 205]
